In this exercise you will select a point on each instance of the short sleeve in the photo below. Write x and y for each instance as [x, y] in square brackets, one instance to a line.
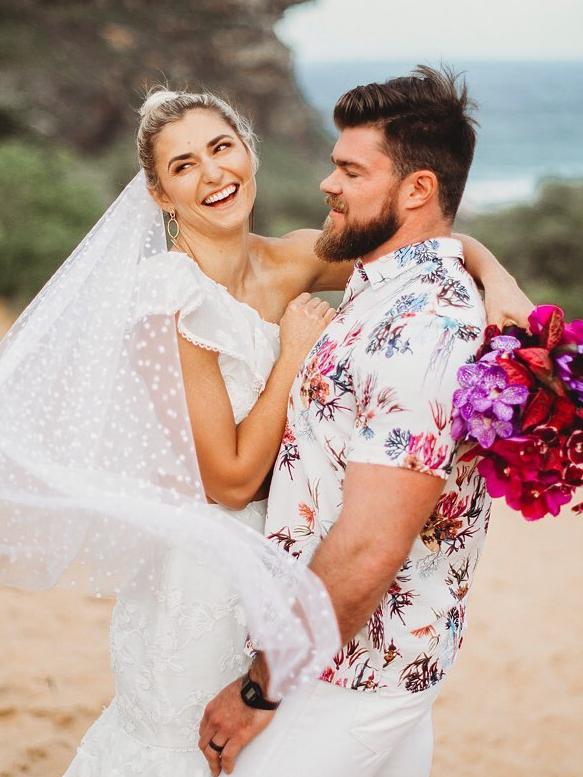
[404, 390]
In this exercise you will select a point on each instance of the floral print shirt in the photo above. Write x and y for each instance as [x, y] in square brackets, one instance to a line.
[377, 388]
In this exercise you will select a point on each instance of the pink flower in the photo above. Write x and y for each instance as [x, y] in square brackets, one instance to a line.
[327, 675]
[424, 453]
[289, 437]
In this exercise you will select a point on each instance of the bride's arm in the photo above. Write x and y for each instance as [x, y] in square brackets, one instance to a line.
[235, 460]
[504, 299]
[297, 248]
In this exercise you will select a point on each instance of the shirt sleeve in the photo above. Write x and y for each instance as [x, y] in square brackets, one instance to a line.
[404, 377]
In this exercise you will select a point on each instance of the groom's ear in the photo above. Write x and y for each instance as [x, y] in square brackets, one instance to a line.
[418, 189]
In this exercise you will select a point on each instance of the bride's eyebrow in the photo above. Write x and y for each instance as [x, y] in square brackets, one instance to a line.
[214, 141]
[179, 158]
[188, 154]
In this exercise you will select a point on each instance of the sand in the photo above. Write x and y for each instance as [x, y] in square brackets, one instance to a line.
[512, 707]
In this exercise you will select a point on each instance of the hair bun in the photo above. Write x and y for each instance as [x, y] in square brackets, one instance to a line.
[155, 99]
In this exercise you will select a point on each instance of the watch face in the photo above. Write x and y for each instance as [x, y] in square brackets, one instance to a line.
[250, 692]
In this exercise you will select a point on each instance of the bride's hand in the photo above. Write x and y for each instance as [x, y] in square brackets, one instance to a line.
[505, 301]
[303, 322]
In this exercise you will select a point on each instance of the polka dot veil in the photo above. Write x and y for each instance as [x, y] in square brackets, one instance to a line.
[98, 472]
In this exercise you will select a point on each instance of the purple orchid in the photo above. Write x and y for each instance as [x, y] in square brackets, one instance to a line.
[569, 366]
[484, 406]
[502, 344]
[486, 388]
[485, 429]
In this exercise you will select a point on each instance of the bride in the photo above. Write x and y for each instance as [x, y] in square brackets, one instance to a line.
[135, 363]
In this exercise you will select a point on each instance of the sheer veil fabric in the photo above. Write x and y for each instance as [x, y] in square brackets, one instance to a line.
[98, 472]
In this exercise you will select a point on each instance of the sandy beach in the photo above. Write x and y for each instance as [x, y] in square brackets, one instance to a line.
[512, 707]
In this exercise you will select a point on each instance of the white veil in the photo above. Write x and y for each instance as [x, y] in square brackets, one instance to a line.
[98, 471]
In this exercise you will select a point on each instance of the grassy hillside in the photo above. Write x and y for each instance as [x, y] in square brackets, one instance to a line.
[542, 243]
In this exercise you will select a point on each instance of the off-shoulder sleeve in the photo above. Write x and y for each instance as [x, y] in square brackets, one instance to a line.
[208, 316]
[205, 320]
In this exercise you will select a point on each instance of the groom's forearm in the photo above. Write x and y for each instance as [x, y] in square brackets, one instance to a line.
[384, 510]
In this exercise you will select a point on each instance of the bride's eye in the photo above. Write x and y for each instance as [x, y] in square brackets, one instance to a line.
[222, 145]
[182, 167]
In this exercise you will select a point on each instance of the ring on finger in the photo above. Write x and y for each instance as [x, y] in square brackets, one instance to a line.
[217, 748]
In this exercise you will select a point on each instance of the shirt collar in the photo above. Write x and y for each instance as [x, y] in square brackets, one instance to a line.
[390, 266]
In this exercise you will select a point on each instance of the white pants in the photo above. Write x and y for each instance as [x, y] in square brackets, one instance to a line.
[326, 731]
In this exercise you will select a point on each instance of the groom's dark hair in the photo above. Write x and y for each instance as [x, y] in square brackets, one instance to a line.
[426, 122]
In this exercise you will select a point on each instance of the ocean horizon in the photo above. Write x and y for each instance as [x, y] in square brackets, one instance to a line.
[530, 116]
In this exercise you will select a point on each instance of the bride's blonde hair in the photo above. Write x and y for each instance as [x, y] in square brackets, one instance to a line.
[162, 107]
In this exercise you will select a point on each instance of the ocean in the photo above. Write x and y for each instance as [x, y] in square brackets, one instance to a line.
[530, 116]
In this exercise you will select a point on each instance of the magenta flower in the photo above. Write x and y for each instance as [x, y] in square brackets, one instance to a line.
[542, 315]
[547, 323]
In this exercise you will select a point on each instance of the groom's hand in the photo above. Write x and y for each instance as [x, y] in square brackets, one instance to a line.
[229, 723]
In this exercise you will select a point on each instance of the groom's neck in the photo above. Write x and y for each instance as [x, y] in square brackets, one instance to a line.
[412, 231]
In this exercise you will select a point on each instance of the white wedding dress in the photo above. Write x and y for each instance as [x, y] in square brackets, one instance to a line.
[174, 649]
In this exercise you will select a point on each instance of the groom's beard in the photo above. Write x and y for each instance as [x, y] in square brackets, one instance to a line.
[359, 238]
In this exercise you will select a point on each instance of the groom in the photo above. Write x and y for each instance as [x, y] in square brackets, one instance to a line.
[369, 488]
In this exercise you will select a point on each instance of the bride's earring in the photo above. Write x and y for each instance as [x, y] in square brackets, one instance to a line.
[173, 227]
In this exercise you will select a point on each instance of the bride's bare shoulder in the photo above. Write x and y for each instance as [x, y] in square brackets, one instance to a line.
[299, 244]
[293, 256]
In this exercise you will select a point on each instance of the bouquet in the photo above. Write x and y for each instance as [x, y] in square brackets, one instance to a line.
[521, 404]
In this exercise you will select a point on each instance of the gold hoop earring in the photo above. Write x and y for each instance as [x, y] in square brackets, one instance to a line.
[173, 227]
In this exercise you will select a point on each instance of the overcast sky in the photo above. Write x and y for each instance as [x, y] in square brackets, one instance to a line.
[432, 29]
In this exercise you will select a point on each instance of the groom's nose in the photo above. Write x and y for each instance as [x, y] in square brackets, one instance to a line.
[331, 184]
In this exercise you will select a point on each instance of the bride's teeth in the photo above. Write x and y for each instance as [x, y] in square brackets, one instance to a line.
[222, 195]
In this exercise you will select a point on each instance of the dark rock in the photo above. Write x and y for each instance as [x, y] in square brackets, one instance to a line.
[75, 72]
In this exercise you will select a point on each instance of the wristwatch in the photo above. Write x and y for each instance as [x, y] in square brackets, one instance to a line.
[252, 695]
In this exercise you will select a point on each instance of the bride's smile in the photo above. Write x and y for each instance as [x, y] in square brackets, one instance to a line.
[205, 172]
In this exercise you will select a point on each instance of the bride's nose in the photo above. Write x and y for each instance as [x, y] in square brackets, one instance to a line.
[211, 171]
